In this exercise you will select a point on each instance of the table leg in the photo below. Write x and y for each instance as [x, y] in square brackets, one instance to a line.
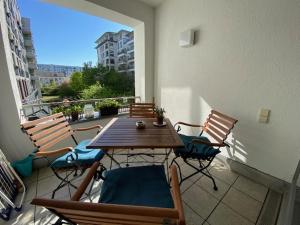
[112, 159]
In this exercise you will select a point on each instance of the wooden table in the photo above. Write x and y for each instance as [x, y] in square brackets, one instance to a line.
[121, 133]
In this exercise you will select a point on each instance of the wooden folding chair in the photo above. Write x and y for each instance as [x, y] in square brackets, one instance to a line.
[143, 209]
[50, 130]
[199, 148]
[142, 110]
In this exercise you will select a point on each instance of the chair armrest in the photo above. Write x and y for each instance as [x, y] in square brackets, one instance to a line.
[54, 152]
[176, 194]
[82, 187]
[199, 141]
[187, 124]
[88, 128]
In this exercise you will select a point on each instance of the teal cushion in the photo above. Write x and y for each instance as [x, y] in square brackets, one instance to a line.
[24, 166]
[86, 157]
[198, 151]
[139, 186]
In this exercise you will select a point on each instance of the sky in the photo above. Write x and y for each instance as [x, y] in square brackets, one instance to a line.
[63, 36]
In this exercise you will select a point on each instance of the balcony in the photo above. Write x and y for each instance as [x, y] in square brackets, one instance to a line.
[228, 70]
[28, 43]
[30, 54]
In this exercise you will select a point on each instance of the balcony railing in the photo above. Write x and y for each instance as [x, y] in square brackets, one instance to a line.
[45, 109]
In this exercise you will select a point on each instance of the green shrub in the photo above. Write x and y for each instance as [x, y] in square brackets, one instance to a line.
[107, 103]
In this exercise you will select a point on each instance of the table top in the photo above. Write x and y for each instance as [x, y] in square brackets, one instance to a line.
[121, 133]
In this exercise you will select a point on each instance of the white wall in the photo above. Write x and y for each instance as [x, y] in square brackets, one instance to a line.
[13, 142]
[247, 56]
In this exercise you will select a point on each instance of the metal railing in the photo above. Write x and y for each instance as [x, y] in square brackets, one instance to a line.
[45, 109]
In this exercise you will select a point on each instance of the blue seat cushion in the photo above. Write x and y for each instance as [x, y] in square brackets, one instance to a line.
[139, 186]
[86, 157]
[197, 151]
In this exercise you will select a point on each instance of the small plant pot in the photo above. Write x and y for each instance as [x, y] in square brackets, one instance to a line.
[74, 116]
[109, 111]
[160, 120]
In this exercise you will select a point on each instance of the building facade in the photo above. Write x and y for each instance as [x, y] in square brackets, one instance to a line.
[66, 70]
[13, 22]
[116, 51]
[30, 56]
[47, 78]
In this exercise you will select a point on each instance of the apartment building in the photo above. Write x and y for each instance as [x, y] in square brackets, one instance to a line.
[66, 70]
[46, 78]
[13, 25]
[30, 55]
[116, 51]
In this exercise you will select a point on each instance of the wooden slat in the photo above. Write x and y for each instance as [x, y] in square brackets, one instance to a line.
[55, 141]
[219, 140]
[221, 121]
[106, 215]
[142, 110]
[52, 136]
[32, 123]
[122, 133]
[80, 190]
[49, 131]
[45, 125]
[115, 220]
[224, 129]
[216, 131]
[94, 209]
[176, 194]
[232, 120]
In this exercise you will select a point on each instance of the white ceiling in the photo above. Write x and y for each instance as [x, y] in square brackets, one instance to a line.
[152, 3]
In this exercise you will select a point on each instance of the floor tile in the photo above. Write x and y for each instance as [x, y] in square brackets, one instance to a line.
[32, 178]
[224, 174]
[223, 215]
[191, 218]
[186, 170]
[47, 185]
[185, 185]
[30, 192]
[44, 216]
[251, 188]
[44, 173]
[199, 200]
[243, 204]
[207, 184]
[25, 216]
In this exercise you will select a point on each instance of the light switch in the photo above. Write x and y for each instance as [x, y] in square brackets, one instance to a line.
[264, 116]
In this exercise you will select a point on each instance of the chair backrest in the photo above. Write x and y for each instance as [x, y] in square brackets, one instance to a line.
[47, 131]
[76, 212]
[142, 110]
[219, 125]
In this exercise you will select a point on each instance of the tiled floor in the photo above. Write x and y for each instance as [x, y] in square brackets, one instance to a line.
[238, 200]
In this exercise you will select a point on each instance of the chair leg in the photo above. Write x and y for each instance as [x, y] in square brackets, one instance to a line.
[211, 177]
[201, 170]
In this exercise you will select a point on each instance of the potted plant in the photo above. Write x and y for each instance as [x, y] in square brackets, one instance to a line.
[108, 107]
[75, 110]
[159, 112]
[57, 109]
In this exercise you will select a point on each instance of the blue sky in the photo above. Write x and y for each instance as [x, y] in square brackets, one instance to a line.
[64, 36]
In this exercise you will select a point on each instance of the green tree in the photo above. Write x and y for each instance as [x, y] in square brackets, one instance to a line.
[65, 90]
[76, 82]
[88, 74]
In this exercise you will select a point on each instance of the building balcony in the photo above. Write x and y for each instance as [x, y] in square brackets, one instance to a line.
[30, 54]
[28, 43]
[32, 66]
